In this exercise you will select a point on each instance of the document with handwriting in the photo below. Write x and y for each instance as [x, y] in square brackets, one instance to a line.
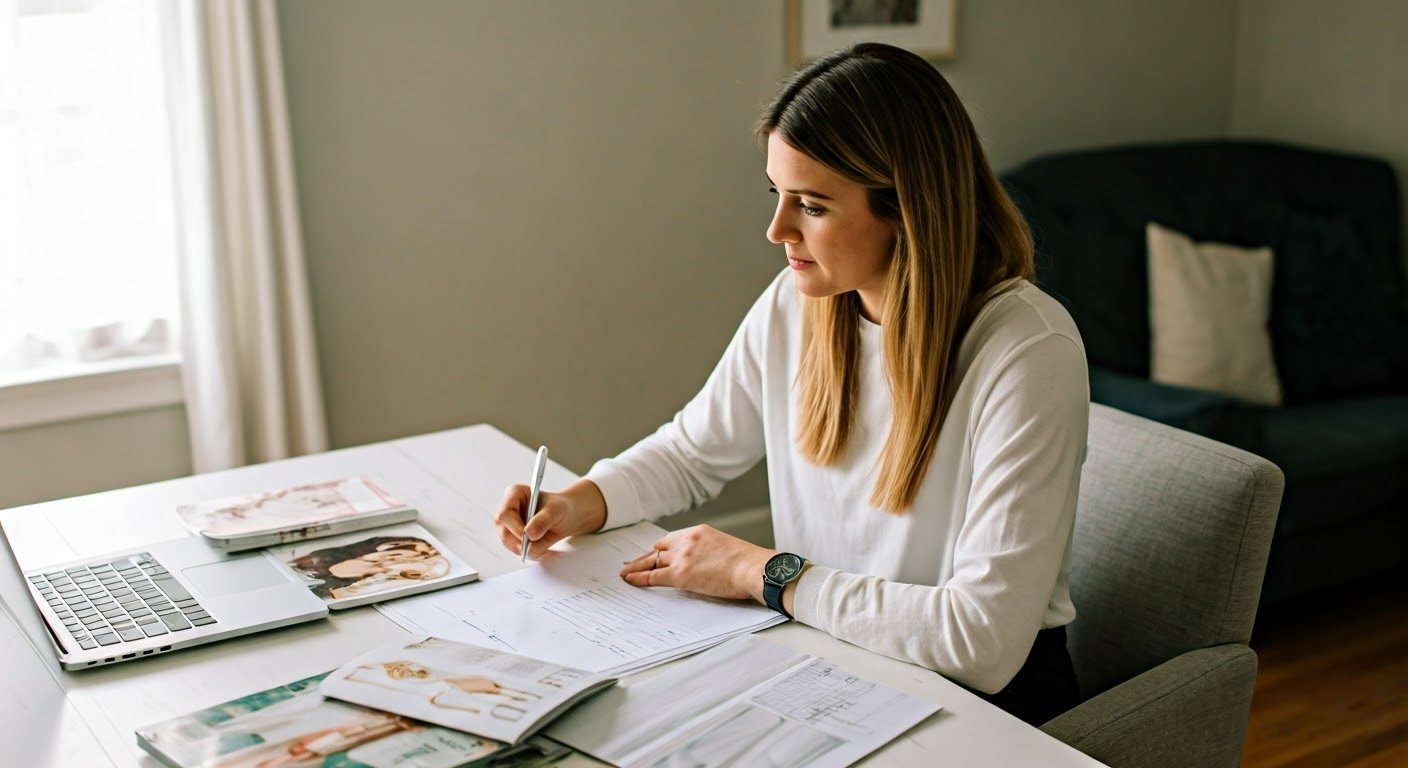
[573, 608]
[763, 704]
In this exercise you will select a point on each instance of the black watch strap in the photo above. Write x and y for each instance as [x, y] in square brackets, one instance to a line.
[772, 595]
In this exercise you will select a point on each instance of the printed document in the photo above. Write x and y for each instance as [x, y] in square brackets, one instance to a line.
[775, 706]
[574, 609]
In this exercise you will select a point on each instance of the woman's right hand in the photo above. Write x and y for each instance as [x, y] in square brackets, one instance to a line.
[580, 508]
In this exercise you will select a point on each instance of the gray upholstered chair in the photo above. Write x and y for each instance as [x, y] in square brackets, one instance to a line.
[1172, 533]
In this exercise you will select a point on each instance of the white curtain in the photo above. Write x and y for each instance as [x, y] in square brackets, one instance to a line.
[249, 360]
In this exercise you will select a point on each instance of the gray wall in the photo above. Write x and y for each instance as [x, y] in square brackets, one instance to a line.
[1041, 76]
[543, 215]
[549, 215]
[1325, 74]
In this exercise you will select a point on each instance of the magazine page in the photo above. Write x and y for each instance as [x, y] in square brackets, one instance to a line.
[294, 724]
[369, 566]
[778, 707]
[287, 508]
[490, 693]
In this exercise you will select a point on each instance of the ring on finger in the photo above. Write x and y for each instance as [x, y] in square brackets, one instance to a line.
[657, 560]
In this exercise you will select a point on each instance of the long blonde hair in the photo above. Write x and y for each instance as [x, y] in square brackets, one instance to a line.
[884, 118]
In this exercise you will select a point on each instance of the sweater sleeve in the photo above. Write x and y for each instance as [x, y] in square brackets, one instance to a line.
[716, 437]
[1028, 435]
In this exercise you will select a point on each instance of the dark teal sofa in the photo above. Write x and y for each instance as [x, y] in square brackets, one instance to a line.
[1339, 324]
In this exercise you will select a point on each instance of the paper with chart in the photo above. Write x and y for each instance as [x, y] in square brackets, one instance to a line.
[774, 706]
[573, 608]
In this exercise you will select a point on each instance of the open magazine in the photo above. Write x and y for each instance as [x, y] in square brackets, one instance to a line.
[293, 514]
[370, 566]
[501, 696]
[295, 725]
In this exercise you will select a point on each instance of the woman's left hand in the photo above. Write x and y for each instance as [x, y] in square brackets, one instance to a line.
[703, 560]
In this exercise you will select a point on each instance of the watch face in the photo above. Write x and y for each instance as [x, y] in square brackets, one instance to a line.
[784, 567]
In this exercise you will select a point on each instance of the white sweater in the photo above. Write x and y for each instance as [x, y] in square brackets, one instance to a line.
[962, 582]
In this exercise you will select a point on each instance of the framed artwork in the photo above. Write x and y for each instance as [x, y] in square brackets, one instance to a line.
[815, 27]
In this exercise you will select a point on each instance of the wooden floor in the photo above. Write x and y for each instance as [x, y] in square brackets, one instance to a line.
[1332, 686]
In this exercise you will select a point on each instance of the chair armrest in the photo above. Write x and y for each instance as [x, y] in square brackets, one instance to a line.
[1202, 412]
[1189, 711]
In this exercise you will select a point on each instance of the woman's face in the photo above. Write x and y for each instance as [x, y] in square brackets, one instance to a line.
[834, 242]
[355, 568]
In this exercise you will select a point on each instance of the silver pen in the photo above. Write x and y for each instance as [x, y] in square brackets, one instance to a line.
[539, 464]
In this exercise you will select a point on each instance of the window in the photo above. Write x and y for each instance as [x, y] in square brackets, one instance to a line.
[88, 225]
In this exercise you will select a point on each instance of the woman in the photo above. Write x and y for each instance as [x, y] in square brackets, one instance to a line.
[370, 565]
[921, 405]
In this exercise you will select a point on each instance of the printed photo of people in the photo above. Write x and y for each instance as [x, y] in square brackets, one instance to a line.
[374, 564]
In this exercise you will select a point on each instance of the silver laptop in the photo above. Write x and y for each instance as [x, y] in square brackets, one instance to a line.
[167, 596]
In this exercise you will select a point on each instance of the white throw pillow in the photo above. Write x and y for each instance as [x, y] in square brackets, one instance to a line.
[1209, 304]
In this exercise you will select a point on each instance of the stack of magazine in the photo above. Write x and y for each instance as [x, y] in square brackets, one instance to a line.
[293, 514]
[427, 703]
[434, 703]
[350, 540]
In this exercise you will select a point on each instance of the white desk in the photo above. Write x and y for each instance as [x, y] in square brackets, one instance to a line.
[49, 717]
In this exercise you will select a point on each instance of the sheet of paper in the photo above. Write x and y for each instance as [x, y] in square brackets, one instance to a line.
[573, 608]
[774, 707]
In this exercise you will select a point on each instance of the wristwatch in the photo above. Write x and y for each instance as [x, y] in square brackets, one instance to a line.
[781, 569]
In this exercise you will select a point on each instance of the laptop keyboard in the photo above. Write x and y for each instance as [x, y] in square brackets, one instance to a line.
[122, 600]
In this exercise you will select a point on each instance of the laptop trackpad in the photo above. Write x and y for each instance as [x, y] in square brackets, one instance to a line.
[232, 576]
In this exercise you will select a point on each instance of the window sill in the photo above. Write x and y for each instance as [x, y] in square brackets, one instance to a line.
[80, 392]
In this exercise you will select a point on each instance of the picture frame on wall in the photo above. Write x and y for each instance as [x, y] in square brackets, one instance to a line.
[926, 27]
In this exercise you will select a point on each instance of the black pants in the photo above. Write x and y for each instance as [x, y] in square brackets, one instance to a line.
[1045, 686]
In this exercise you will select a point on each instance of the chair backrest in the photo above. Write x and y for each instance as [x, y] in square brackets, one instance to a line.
[1171, 538]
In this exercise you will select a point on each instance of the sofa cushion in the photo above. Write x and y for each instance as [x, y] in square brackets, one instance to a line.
[1331, 452]
[1332, 438]
[1209, 305]
[1093, 265]
[1339, 317]
[1196, 410]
